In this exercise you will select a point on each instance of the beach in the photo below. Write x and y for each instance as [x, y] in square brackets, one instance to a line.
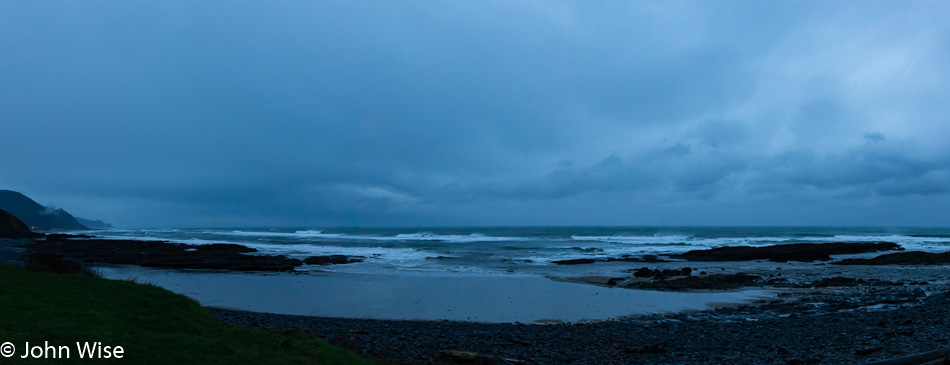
[893, 312]
[426, 300]
[476, 182]
[735, 335]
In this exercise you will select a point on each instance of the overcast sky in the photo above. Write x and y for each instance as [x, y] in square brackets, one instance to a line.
[430, 113]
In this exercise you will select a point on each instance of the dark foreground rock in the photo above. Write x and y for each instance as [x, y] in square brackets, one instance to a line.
[574, 262]
[676, 280]
[805, 328]
[704, 282]
[841, 281]
[331, 260]
[12, 227]
[804, 252]
[646, 272]
[901, 258]
[165, 254]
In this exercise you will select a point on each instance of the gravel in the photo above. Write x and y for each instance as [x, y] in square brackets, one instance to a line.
[803, 326]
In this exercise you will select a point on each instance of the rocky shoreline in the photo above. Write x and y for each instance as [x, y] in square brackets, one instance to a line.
[169, 255]
[862, 324]
[827, 312]
[162, 254]
[823, 313]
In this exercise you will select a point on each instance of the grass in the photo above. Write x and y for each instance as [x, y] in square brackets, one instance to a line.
[49, 261]
[153, 325]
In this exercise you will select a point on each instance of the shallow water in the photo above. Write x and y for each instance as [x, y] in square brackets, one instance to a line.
[477, 298]
[480, 274]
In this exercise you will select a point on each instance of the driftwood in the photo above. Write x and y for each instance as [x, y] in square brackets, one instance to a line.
[479, 358]
[941, 356]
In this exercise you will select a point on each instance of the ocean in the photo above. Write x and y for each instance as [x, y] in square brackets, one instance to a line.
[516, 250]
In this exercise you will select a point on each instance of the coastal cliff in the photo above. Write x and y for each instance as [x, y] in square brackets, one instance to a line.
[11, 227]
[35, 215]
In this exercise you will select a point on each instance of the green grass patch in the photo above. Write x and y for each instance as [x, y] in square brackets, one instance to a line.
[153, 325]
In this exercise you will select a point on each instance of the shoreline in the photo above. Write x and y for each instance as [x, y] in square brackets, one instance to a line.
[745, 334]
[832, 321]
[821, 313]
[485, 299]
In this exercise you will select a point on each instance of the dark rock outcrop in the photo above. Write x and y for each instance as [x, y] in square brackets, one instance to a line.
[35, 215]
[624, 258]
[804, 252]
[841, 281]
[645, 272]
[331, 260]
[901, 258]
[705, 282]
[574, 262]
[11, 227]
[165, 254]
[804, 327]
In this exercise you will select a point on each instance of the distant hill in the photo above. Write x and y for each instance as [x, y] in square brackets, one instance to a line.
[35, 215]
[11, 227]
[94, 224]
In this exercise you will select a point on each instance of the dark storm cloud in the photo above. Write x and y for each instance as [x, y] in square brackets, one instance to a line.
[878, 166]
[328, 113]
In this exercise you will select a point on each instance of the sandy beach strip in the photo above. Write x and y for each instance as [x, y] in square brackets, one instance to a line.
[748, 334]
[897, 311]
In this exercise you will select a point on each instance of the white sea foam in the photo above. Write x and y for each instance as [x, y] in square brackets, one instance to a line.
[613, 246]
[190, 241]
[384, 253]
[454, 238]
[908, 242]
[419, 236]
[297, 234]
[634, 240]
[477, 252]
[375, 258]
[131, 238]
[537, 258]
[399, 257]
[600, 242]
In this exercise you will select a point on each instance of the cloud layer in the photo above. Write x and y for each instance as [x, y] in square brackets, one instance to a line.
[501, 113]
